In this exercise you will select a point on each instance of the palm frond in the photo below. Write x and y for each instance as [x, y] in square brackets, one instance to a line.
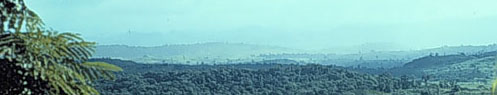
[102, 66]
[56, 61]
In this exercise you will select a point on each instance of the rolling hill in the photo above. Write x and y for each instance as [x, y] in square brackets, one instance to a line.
[478, 67]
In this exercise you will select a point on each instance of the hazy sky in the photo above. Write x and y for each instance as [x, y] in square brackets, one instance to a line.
[303, 24]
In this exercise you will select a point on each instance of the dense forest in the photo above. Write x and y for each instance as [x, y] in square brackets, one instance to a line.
[267, 79]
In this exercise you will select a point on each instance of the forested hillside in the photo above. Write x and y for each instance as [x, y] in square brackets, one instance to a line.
[266, 78]
[476, 64]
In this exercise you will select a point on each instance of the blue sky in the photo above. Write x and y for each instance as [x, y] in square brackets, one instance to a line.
[302, 24]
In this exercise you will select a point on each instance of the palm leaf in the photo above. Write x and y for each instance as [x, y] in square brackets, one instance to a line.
[57, 59]
[102, 66]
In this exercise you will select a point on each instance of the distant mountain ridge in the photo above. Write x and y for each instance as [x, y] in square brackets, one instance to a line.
[386, 59]
[213, 49]
[413, 54]
[216, 52]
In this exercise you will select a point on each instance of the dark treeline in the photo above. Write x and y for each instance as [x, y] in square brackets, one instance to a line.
[308, 79]
[276, 79]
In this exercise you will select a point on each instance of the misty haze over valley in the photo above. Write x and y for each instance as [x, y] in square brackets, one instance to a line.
[248, 47]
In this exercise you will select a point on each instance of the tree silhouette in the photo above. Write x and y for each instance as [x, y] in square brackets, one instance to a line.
[35, 60]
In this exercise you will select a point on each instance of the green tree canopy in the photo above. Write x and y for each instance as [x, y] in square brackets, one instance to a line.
[36, 60]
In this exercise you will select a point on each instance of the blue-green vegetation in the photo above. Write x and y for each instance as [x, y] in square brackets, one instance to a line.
[248, 47]
[271, 77]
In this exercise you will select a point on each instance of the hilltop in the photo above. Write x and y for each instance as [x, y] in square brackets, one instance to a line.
[461, 67]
